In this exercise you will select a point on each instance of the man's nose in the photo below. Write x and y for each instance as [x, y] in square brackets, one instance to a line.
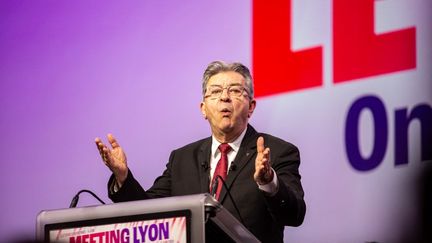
[225, 95]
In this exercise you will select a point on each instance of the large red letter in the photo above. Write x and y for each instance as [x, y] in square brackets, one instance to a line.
[358, 52]
[276, 67]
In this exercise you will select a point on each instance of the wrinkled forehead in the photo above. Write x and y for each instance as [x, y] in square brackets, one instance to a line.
[226, 79]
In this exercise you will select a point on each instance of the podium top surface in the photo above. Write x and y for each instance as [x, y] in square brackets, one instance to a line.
[127, 208]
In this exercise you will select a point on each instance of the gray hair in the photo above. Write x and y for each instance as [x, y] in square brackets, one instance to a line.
[219, 67]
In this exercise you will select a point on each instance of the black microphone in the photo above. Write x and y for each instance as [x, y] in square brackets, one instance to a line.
[233, 167]
[75, 199]
[204, 165]
[215, 186]
[209, 212]
[230, 196]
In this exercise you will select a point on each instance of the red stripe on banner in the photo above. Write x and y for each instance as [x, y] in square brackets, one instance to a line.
[276, 68]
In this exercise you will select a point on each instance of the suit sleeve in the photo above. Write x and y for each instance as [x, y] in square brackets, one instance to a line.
[287, 206]
[132, 190]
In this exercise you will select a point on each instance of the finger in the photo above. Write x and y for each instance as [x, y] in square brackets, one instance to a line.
[260, 144]
[113, 141]
[106, 155]
[266, 152]
[98, 141]
[263, 164]
[100, 146]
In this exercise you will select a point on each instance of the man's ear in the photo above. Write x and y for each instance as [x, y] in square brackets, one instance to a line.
[252, 105]
[203, 110]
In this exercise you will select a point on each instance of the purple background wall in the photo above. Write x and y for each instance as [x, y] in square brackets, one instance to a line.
[74, 70]
[71, 71]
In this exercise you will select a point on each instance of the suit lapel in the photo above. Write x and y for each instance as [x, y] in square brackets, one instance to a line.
[244, 156]
[204, 164]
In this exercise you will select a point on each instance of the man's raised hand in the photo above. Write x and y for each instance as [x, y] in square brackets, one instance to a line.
[263, 172]
[114, 158]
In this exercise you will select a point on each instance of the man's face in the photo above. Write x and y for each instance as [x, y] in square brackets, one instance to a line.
[227, 114]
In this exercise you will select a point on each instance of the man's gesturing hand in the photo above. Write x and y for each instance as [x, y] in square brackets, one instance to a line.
[114, 158]
[263, 172]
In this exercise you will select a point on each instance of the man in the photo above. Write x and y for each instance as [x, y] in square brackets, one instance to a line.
[263, 175]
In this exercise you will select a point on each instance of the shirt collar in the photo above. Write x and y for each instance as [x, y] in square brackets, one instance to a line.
[235, 145]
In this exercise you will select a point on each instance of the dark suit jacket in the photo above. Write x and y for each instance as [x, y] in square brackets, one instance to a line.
[265, 216]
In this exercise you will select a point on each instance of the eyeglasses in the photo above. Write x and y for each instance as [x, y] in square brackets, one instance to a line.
[214, 92]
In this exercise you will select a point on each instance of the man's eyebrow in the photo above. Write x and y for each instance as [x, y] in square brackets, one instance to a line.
[233, 84]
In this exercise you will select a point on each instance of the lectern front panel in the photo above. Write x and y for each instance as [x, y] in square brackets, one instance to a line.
[173, 226]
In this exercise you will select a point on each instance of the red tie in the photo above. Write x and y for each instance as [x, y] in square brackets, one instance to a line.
[221, 168]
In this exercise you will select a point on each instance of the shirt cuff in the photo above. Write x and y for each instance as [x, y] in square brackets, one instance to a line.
[271, 187]
[114, 187]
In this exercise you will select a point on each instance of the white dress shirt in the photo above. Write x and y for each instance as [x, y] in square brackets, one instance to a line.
[270, 188]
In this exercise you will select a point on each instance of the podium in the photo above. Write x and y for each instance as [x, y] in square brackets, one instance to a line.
[192, 219]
